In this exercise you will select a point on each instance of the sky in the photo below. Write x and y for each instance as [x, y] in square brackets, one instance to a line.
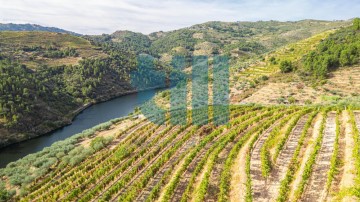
[146, 16]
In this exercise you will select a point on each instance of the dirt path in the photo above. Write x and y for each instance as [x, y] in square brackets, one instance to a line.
[259, 183]
[214, 180]
[348, 175]
[305, 156]
[168, 165]
[107, 186]
[279, 171]
[74, 179]
[316, 188]
[185, 178]
[239, 178]
[179, 137]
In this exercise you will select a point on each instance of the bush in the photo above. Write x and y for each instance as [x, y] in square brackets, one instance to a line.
[286, 66]
[281, 100]
[76, 159]
[264, 78]
[4, 194]
[100, 142]
[292, 100]
[273, 60]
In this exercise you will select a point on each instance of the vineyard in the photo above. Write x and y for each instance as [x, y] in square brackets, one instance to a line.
[279, 153]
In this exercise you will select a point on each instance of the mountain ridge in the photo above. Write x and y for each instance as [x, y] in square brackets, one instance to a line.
[33, 27]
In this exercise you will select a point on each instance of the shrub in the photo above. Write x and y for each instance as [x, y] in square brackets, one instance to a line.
[281, 100]
[286, 66]
[4, 194]
[292, 100]
[264, 78]
[75, 160]
[99, 143]
[273, 60]
[308, 102]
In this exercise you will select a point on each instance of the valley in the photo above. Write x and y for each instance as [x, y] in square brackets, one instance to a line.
[290, 132]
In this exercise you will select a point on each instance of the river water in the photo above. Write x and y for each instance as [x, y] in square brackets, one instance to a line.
[90, 117]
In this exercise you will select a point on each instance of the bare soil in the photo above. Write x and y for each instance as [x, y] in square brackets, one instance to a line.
[305, 154]
[316, 187]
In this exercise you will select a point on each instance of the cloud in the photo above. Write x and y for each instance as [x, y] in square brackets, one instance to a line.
[106, 16]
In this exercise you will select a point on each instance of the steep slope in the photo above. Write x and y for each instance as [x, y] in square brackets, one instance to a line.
[56, 75]
[35, 49]
[327, 72]
[236, 39]
[279, 147]
[126, 41]
[46, 78]
[136, 160]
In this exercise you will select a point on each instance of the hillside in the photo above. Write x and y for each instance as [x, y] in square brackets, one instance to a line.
[261, 81]
[297, 149]
[35, 49]
[323, 74]
[236, 39]
[47, 78]
[291, 133]
[32, 27]
[56, 74]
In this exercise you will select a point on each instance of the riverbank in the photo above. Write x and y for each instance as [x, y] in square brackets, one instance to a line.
[90, 116]
[9, 137]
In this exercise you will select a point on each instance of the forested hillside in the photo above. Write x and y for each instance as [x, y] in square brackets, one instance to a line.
[47, 77]
[33, 27]
[341, 49]
[235, 39]
[301, 143]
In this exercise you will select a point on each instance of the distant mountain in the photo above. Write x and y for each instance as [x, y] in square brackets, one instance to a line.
[33, 27]
[235, 39]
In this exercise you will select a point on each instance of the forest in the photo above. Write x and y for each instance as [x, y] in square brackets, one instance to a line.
[341, 49]
[25, 93]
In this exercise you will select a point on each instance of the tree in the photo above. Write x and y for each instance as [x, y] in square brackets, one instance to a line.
[98, 143]
[338, 50]
[356, 23]
[286, 66]
[345, 58]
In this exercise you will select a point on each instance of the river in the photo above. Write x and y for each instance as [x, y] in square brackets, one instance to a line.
[88, 118]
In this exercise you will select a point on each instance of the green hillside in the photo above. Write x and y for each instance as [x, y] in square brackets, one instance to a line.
[56, 74]
[341, 49]
[33, 27]
[47, 78]
[35, 49]
[236, 39]
[297, 83]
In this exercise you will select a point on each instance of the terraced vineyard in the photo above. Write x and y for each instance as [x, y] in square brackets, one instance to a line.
[277, 153]
[246, 76]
